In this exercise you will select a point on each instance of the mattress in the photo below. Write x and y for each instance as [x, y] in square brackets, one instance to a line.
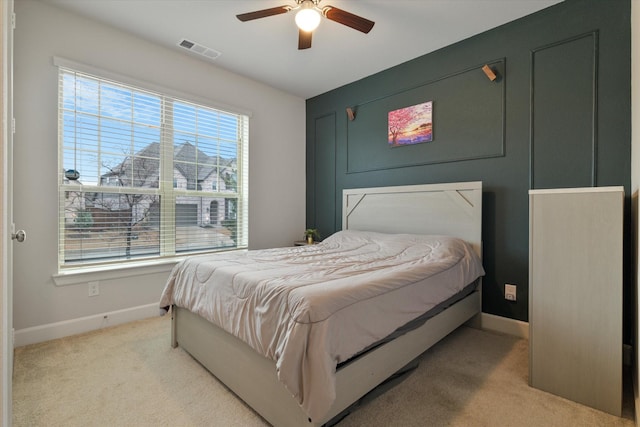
[309, 308]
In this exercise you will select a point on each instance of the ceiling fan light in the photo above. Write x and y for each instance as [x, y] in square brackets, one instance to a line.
[308, 18]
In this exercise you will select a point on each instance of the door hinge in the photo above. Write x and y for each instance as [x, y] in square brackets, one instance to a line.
[13, 21]
[13, 125]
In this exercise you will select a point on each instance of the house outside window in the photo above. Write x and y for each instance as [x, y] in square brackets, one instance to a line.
[140, 172]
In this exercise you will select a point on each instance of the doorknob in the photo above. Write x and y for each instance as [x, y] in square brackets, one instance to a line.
[19, 235]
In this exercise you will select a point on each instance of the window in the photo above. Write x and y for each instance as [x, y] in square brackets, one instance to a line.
[146, 175]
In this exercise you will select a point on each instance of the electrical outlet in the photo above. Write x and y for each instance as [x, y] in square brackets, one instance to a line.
[94, 288]
[509, 292]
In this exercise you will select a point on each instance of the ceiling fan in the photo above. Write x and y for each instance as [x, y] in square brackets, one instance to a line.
[308, 18]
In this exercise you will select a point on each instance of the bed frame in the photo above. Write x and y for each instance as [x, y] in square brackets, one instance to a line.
[453, 209]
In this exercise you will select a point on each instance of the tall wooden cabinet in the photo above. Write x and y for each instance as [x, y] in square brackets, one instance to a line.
[575, 294]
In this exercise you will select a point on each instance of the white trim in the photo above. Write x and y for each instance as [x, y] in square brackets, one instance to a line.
[66, 328]
[504, 325]
[122, 78]
[577, 190]
[7, 26]
[76, 276]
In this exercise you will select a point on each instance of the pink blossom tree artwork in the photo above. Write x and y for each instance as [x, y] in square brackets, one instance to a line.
[411, 125]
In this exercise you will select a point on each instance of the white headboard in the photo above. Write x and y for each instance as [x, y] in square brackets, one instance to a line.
[452, 209]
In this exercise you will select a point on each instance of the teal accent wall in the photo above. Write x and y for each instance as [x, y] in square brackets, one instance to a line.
[559, 115]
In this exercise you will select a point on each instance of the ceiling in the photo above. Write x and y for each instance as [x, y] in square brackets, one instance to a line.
[266, 49]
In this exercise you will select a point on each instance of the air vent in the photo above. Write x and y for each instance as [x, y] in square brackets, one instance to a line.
[199, 49]
[186, 44]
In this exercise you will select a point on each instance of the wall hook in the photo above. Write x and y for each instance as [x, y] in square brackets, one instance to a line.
[351, 114]
[490, 73]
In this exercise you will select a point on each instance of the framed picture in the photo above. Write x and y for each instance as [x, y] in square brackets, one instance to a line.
[411, 125]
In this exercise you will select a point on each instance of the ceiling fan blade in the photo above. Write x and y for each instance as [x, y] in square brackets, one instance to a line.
[304, 39]
[349, 19]
[263, 13]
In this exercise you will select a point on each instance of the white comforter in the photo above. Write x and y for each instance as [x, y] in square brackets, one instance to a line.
[309, 308]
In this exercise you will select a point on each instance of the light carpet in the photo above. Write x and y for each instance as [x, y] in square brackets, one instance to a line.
[128, 375]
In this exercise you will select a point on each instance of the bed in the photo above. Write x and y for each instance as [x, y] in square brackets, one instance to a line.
[285, 367]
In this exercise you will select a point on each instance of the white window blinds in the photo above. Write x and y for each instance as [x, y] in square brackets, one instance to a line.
[144, 175]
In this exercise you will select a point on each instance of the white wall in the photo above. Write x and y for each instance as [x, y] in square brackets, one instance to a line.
[6, 346]
[276, 154]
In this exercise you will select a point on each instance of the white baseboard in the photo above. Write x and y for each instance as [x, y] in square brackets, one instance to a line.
[66, 328]
[520, 329]
[504, 325]
[80, 325]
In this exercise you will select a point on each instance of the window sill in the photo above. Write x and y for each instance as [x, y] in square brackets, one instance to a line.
[75, 276]
[79, 275]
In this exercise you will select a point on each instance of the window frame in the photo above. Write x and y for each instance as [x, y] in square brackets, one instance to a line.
[166, 191]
